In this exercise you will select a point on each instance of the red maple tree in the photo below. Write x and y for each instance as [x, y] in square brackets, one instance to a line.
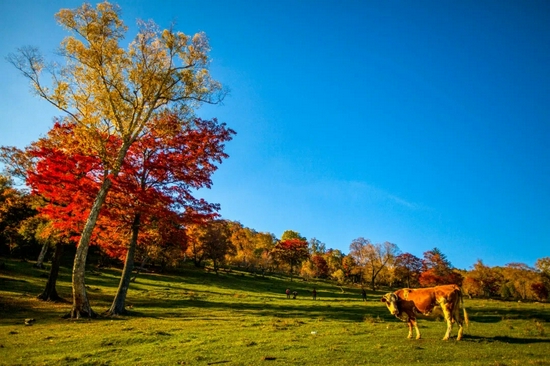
[291, 252]
[153, 195]
[158, 179]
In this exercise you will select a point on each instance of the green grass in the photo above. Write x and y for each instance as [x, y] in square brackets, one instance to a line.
[199, 318]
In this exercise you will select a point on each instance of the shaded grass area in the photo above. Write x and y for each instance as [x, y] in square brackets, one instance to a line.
[199, 318]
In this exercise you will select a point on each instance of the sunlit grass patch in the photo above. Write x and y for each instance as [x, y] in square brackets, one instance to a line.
[198, 318]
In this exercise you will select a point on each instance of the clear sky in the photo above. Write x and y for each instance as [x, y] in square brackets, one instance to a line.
[425, 123]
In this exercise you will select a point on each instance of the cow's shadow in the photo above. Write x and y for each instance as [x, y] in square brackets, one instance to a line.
[504, 339]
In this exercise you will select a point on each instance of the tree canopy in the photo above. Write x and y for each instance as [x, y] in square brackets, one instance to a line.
[112, 94]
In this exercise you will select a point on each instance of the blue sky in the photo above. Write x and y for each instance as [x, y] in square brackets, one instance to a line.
[426, 124]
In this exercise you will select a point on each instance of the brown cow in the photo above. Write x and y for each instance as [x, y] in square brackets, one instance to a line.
[423, 300]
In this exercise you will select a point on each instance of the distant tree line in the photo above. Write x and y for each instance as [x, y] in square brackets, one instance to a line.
[219, 244]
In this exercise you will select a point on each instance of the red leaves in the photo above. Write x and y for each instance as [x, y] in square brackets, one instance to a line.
[431, 277]
[157, 180]
[291, 251]
[437, 270]
[292, 245]
[321, 267]
[66, 181]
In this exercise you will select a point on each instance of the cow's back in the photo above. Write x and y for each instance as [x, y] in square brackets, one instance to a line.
[425, 299]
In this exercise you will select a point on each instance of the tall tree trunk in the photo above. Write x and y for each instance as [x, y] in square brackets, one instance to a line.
[81, 305]
[118, 306]
[50, 292]
[41, 256]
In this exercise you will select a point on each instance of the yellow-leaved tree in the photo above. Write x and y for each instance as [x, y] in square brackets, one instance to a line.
[113, 93]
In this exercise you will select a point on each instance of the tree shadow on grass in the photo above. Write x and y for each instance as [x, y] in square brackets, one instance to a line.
[292, 309]
[22, 285]
[514, 340]
[495, 315]
[16, 309]
[505, 339]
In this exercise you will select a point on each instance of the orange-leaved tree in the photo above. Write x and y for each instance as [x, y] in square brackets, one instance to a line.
[437, 270]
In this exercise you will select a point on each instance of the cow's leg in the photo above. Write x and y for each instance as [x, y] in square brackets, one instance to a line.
[459, 321]
[410, 324]
[449, 318]
[415, 323]
[460, 330]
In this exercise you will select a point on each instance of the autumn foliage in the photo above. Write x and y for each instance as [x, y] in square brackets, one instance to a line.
[408, 268]
[65, 178]
[437, 270]
[156, 182]
[156, 188]
[291, 252]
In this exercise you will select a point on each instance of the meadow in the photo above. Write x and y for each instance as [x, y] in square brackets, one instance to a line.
[194, 317]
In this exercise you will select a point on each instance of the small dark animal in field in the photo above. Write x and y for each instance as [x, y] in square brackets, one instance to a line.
[410, 302]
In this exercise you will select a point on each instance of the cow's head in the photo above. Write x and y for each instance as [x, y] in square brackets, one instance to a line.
[391, 300]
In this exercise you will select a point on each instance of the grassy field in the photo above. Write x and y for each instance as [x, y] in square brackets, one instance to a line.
[199, 318]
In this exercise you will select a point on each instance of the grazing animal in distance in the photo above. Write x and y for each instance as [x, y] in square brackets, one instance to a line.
[409, 302]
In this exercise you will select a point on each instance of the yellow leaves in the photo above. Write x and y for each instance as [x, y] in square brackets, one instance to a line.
[110, 15]
[66, 18]
[182, 38]
[168, 38]
[73, 46]
[94, 25]
[104, 87]
[59, 94]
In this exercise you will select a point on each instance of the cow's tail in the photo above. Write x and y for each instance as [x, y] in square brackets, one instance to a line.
[466, 319]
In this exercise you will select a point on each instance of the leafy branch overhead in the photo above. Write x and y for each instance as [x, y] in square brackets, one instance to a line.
[109, 90]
